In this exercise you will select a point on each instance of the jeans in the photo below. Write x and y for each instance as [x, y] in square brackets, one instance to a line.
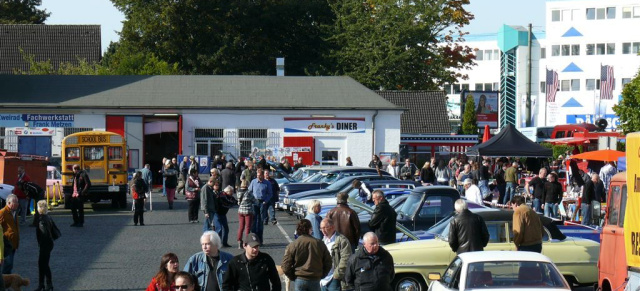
[258, 227]
[272, 212]
[586, 213]
[222, 227]
[502, 189]
[44, 271]
[138, 213]
[7, 264]
[171, 194]
[244, 226]
[532, 248]
[24, 207]
[536, 205]
[549, 210]
[77, 210]
[484, 187]
[510, 191]
[208, 222]
[334, 285]
[307, 285]
[164, 189]
[194, 206]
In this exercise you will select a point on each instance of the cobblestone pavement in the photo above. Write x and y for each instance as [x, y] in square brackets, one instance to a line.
[110, 253]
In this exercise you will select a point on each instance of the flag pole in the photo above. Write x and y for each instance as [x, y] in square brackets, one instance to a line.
[546, 72]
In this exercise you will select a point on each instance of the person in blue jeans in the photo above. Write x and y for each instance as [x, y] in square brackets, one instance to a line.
[262, 191]
[220, 218]
[209, 203]
[511, 177]
[275, 190]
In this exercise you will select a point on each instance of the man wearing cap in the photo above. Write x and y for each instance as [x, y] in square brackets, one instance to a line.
[472, 192]
[251, 270]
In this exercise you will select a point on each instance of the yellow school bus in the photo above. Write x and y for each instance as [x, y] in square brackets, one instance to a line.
[103, 155]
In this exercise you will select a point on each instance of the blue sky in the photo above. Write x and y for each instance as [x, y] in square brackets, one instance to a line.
[489, 15]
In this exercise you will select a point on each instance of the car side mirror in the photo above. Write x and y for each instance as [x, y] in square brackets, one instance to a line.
[434, 276]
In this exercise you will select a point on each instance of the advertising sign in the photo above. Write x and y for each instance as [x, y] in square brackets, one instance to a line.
[612, 120]
[49, 120]
[11, 120]
[24, 131]
[486, 106]
[632, 218]
[324, 124]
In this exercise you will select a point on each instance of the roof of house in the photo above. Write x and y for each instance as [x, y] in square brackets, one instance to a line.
[426, 110]
[57, 43]
[188, 92]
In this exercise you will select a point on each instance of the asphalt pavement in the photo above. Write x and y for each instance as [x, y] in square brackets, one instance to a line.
[110, 253]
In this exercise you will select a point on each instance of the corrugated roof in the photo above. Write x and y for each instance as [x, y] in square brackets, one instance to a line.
[426, 110]
[201, 92]
[57, 43]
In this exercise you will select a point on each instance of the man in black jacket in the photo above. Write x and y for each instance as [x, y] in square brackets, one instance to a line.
[468, 232]
[251, 270]
[538, 189]
[371, 267]
[592, 190]
[79, 190]
[228, 176]
[383, 219]
[552, 195]
[35, 193]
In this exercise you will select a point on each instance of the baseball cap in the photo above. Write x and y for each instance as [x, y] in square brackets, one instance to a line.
[251, 239]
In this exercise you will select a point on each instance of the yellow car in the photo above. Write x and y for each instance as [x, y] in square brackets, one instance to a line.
[576, 258]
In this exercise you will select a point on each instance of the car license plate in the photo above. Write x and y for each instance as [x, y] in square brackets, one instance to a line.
[114, 188]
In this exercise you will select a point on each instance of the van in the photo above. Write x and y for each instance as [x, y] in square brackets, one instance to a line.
[612, 264]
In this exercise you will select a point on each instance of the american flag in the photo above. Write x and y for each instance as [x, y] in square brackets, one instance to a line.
[552, 85]
[606, 82]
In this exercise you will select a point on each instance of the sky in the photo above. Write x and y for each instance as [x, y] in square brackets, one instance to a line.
[489, 15]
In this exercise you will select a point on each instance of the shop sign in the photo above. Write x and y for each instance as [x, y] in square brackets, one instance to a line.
[22, 131]
[11, 120]
[49, 120]
[324, 124]
[612, 120]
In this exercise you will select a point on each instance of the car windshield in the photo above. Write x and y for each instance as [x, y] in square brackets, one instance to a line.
[312, 177]
[340, 184]
[411, 204]
[328, 178]
[509, 274]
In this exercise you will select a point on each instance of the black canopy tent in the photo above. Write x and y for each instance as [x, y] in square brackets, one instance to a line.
[510, 143]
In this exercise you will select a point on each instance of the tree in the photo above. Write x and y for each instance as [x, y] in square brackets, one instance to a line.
[469, 121]
[22, 12]
[228, 37]
[406, 44]
[627, 109]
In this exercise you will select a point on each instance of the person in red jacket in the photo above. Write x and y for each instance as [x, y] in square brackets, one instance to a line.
[22, 197]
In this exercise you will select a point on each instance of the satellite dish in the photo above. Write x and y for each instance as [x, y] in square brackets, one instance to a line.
[602, 124]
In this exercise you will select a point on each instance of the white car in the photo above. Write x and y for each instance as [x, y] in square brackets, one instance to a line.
[5, 190]
[499, 270]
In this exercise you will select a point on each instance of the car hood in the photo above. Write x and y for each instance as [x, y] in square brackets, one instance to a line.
[312, 193]
[415, 245]
[305, 185]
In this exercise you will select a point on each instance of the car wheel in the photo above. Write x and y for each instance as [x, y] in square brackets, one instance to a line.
[409, 283]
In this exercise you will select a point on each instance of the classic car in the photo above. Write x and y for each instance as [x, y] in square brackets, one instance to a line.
[496, 270]
[576, 258]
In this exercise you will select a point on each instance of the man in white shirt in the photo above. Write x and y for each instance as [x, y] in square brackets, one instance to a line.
[472, 192]
[606, 173]
[340, 250]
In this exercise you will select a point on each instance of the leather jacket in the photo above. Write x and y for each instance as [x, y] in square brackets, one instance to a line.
[346, 222]
[468, 233]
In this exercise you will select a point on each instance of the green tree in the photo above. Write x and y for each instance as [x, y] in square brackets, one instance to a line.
[627, 109]
[228, 37]
[469, 121]
[22, 12]
[406, 44]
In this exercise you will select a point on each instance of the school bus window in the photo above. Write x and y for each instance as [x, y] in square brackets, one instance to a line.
[115, 153]
[94, 153]
[72, 154]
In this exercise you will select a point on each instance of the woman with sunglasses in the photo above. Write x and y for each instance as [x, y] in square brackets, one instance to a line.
[185, 281]
[163, 281]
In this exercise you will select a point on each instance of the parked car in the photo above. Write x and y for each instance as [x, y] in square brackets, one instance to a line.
[576, 258]
[279, 175]
[325, 178]
[301, 205]
[495, 270]
[331, 190]
[301, 174]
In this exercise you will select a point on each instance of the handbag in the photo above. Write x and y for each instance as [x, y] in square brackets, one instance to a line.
[190, 194]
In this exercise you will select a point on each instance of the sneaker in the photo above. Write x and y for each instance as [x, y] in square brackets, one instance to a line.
[239, 245]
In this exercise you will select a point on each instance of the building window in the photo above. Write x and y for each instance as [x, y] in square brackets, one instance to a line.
[555, 15]
[631, 12]
[488, 55]
[543, 53]
[575, 84]
[478, 87]
[565, 85]
[625, 81]
[574, 14]
[72, 130]
[488, 87]
[600, 13]
[456, 89]
[479, 55]
[600, 49]
[555, 50]
[496, 86]
[591, 49]
[591, 13]
[635, 48]
[590, 84]
[566, 49]
[465, 87]
[611, 48]
[447, 89]
[566, 15]
[575, 50]
[611, 12]
[626, 48]
[253, 142]
[208, 141]
[543, 87]
[2, 138]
